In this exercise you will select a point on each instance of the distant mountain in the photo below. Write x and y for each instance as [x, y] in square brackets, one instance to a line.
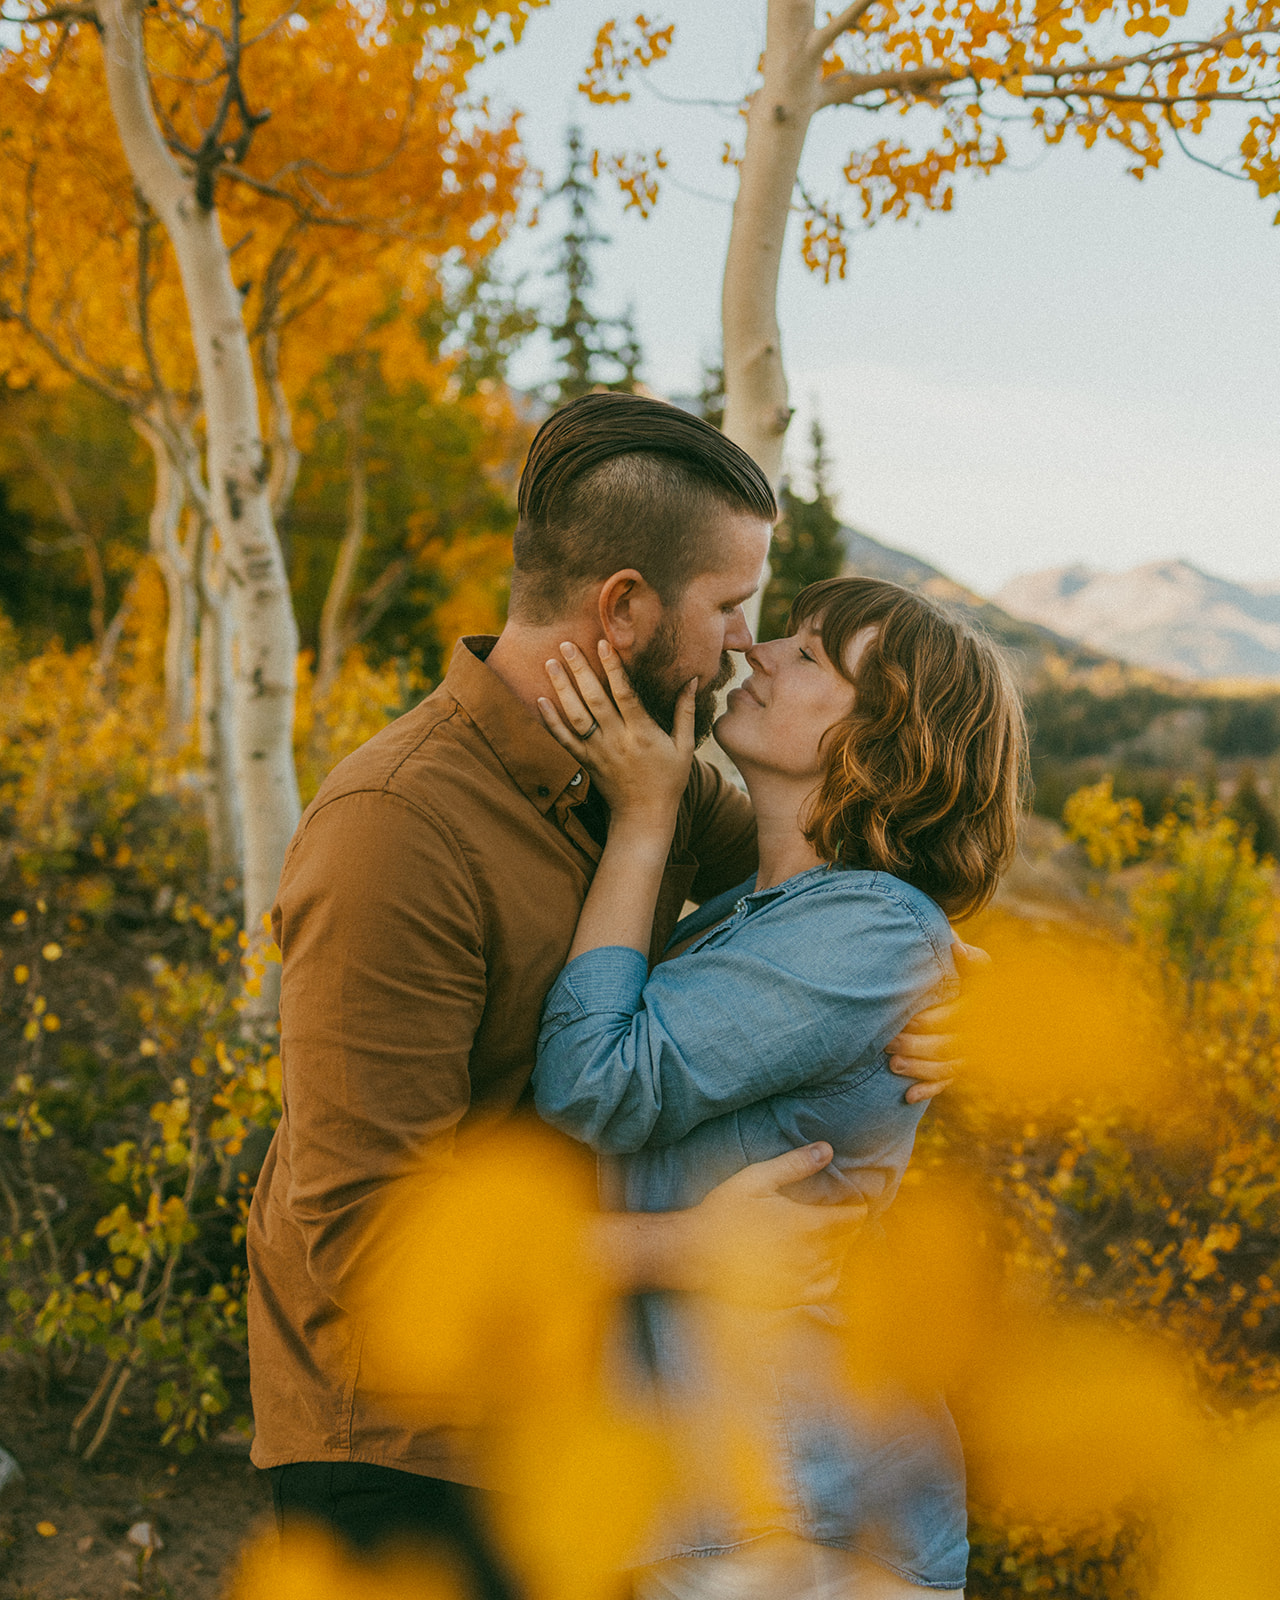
[1036, 647]
[1169, 616]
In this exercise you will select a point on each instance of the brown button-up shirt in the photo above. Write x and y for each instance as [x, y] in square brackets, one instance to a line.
[428, 900]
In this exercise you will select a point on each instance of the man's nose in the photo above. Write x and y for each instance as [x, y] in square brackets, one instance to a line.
[737, 636]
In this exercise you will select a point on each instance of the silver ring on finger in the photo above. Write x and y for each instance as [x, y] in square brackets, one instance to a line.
[594, 728]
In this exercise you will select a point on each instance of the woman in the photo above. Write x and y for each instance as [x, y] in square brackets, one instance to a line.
[883, 747]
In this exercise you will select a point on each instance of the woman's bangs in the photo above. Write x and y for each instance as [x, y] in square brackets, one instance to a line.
[838, 608]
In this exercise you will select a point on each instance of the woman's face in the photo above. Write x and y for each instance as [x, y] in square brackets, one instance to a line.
[778, 718]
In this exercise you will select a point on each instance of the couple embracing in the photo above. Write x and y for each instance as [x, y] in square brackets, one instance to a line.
[482, 906]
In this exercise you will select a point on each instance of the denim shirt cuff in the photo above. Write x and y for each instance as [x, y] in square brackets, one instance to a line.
[610, 979]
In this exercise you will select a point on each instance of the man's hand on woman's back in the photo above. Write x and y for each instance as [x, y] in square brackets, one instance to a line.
[747, 1241]
[929, 1049]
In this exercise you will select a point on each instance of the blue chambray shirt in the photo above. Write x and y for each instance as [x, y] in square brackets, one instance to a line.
[766, 1033]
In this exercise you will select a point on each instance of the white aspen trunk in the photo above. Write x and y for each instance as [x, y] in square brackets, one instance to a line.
[335, 629]
[224, 824]
[178, 571]
[286, 458]
[757, 410]
[265, 629]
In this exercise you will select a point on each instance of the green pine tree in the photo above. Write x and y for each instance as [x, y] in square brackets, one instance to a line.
[709, 403]
[1254, 817]
[806, 543]
[593, 351]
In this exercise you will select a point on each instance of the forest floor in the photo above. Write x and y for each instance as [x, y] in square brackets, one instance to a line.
[203, 1507]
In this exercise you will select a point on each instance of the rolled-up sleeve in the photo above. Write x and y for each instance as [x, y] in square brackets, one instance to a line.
[794, 995]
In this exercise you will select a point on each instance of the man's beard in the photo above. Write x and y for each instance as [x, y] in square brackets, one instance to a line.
[652, 674]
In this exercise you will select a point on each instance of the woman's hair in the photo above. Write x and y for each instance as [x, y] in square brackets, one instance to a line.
[925, 776]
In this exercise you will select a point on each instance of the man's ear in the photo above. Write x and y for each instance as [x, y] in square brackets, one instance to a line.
[630, 610]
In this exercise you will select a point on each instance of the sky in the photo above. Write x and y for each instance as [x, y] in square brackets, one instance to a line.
[1069, 367]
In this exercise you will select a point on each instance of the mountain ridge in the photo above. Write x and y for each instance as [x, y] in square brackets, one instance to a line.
[1170, 616]
[1040, 652]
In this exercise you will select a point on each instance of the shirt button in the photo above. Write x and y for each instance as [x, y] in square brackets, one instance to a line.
[543, 790]
[575, 780]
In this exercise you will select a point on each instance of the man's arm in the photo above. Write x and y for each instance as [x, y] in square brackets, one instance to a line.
[746, 1242]
[379, 1008]
[383, 989]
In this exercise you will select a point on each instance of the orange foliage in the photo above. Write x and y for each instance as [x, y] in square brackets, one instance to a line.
[636, 175]
[307, 1566]
[1114, 70]
[335, 218]
[617, 51]
[485, 1303]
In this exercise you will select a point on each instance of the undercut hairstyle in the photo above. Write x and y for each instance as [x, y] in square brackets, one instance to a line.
[927, 775]
[619, 480]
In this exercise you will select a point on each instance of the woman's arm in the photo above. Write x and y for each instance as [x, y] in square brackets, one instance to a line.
[642, 773]
[799, 993]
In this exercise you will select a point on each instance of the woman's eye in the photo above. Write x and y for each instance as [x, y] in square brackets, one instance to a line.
[806, 654]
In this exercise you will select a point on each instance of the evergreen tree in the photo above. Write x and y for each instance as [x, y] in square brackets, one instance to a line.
[1255, 818]
[594, 352]
[709, 404]
[806, 543]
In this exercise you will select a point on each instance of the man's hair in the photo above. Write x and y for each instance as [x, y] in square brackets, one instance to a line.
[618, 480]
[926, 775]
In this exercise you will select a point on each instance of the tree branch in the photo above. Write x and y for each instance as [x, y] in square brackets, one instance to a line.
[842, 88]
[1157, 56]
[825, 36]
[1225, 172]
[64, 13]
[73, 521]
[1138, 97]
[378, 597]
[318, 214]
[60, 359]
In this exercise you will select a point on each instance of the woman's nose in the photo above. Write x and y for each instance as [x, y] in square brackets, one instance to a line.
[758, 658]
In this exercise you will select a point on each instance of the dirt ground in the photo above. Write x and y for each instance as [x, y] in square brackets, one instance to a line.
[203, 1507]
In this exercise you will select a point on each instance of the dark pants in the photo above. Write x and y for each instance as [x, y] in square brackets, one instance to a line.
[373, 1507]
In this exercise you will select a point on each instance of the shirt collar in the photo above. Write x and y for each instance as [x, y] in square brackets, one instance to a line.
[540, 768]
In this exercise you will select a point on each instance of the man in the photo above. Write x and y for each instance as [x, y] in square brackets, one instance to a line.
[426, 905]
